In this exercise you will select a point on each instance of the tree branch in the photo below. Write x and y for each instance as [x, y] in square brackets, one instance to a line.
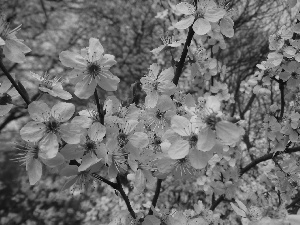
[125, 197]
[180, 64]
[16, 86]
[155, 198]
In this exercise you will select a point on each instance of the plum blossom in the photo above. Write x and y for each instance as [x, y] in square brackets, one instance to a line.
[206, 11]
[90, 68]
[156, 83]
[33, 157]
[214, 127]
[168, 42]
[51, 86]
[13, 48]
[49, 126]
[89, 148]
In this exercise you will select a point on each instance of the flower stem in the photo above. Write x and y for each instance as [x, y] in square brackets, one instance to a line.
[155, 198]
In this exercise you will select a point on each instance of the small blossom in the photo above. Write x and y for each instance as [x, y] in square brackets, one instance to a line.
[51, 86]
[13, 48]
[7, 94]
[156, 83]
[207, 11]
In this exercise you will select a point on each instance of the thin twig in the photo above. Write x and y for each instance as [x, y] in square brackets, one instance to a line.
[155, 198]
[183, 55]
[125, 197]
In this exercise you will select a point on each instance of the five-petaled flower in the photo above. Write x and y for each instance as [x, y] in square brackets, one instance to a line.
[207, 11]
[49, 126]
[90, 68]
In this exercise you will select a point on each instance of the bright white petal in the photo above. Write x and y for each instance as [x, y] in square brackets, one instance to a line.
[139, 140]
[206, 139]
[33, 131]
[39, 111]
[72, 151]
[180, 125]
[63, 111]
[201, 26]
[70, 133]
[34, 171]
[97, 132]
[95, 50]
[185, 8]
[49, 145]
[151, 99]
[87, 161]
[73, 60]
[184, 23]
[179, 149]
[85, 88]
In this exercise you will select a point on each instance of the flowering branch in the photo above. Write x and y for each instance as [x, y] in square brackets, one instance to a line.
[16, 86]
[253, 164]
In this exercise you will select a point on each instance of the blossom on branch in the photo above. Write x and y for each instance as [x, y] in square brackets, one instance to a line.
[90, 68]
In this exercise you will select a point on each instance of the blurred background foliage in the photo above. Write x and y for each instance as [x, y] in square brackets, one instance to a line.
[129, 30]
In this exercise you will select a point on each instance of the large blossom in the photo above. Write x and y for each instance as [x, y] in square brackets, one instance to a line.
[207, 11]
[90, 68]
[13, 48]
[49, 126]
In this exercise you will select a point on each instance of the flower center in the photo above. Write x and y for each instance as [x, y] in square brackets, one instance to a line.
[52, 126]
[90, 147]
[193, 140]
[93, 69]
[294, 75]
[159, 115]
[122, 139]
[212, 120]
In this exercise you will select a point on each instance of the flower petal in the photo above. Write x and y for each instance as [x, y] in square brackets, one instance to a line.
[33, 131]
[72, 151]
[107, 81]
[201, 26]
[185, 8]
[151, 99]
[97, 131]
[214, 14]
[184, 23]
[34, 171]
[180, 125]
[95, 50]
[69, 170]
[179, 149]
[56, 161]
[73, 60]
[63, 111]
[70, 133]
[87, 161]
[139, 140]
[49, 145]
[206, 139]
[228, 132]
[85, 88]
[39, 111]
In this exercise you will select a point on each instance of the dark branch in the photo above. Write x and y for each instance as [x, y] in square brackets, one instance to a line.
[155, 198]
[125, 197]
[183, 55]
[16, 86]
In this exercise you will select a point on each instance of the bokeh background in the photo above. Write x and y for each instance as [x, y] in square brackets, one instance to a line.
[129, 30]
